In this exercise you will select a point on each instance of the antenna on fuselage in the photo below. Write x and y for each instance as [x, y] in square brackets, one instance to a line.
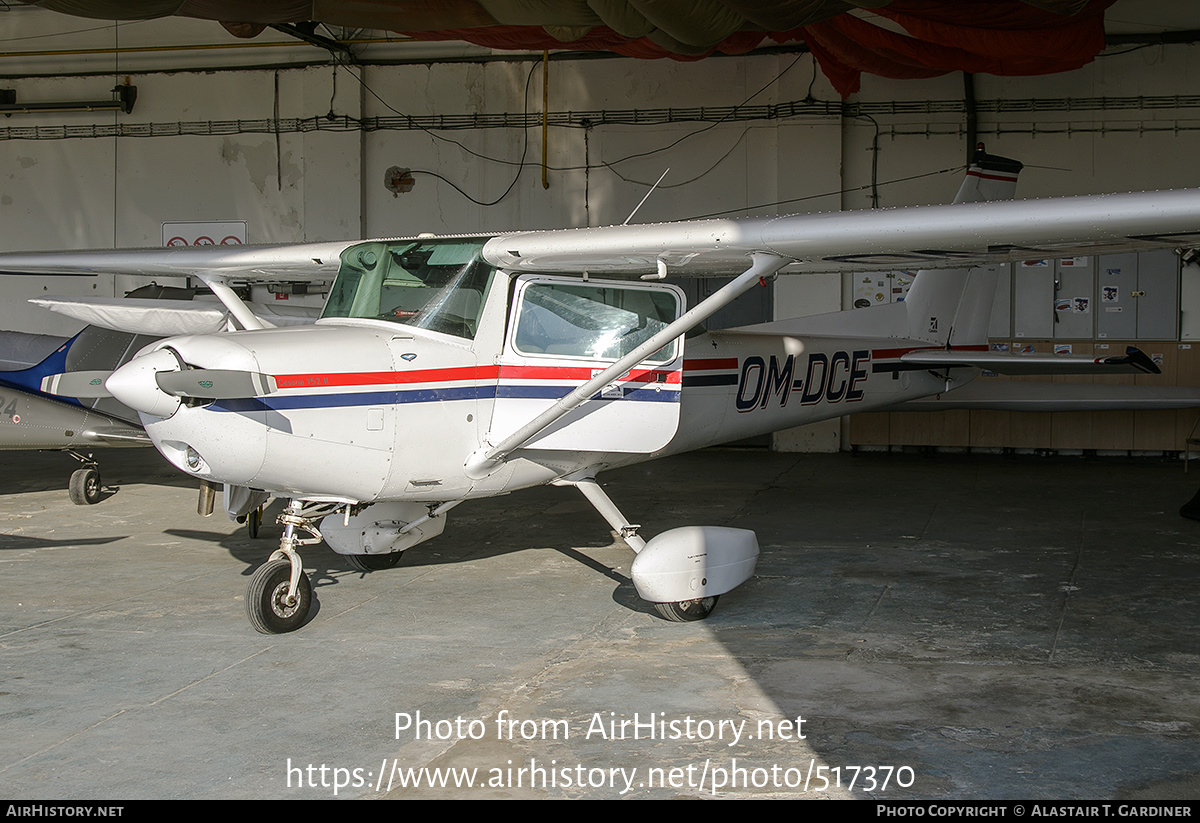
[647, 197]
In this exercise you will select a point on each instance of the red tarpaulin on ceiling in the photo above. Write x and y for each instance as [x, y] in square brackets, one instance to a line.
[1002, 37]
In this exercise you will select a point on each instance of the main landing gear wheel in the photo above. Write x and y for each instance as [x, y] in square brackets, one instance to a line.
[85, 487]
[373, 562]
[687, 610]
[267, 603]
[254, 520]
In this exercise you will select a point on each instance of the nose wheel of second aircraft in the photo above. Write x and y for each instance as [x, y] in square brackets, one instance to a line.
[85, 487]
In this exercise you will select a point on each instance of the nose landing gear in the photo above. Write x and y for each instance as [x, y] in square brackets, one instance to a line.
[279, 594]
[270, 603]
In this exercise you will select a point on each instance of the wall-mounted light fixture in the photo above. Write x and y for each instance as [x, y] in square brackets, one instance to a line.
[124, 96]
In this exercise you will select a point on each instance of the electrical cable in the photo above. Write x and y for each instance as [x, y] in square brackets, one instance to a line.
[720, 160]
[874, 159]
[872, 185]
[7, 7]
[1126, 51]
[610, 165]
[520, 166]
[603, 164]
[708, 127]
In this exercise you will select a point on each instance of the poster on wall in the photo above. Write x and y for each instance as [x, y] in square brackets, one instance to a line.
[878, 288]
[871, 290]
[210, 233]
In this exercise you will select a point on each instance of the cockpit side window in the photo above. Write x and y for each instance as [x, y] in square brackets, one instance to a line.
[592, 321]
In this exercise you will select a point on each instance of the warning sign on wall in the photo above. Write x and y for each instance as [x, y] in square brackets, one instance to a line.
[216, 233]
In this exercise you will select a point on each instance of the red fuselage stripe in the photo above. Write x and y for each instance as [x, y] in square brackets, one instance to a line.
[573, 373]
[878, 354]
[466, 373]
[710, 364]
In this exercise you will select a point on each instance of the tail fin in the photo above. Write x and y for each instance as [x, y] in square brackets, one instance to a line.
[953, 306]
[989, 178]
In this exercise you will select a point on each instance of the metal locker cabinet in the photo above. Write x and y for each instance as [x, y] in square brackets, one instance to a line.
[1074, 301]
[1158, 295]
[1116, 282]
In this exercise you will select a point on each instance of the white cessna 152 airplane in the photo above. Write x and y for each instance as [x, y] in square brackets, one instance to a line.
[450, 368]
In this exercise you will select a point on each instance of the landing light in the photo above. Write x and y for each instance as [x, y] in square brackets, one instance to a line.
[193, 459]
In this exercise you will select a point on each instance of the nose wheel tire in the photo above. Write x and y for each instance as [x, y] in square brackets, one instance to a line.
[85, 487]
[688, 610]
[373, 562]
[267, 603]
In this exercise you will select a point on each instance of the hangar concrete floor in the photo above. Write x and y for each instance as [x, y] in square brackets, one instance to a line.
[968, 626]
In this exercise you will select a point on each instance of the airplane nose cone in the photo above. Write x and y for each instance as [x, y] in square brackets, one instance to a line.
[134, 384]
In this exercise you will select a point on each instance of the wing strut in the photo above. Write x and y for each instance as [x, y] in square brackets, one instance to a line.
[486, 459]
[608, 510]
[240, 311]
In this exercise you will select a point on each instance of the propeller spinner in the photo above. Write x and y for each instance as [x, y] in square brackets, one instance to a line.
[154, 383]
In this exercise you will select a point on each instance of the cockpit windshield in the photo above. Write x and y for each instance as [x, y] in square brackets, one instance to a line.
[439, 285]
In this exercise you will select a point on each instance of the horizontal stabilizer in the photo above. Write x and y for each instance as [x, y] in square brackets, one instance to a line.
[215, 384]
[77, 384]
[1133, 361]
[1018, 396]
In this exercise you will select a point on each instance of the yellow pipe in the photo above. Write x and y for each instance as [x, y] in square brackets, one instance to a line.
[196, 47]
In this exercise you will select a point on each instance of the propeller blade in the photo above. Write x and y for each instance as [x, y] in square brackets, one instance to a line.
[77, 384]
[215, 384]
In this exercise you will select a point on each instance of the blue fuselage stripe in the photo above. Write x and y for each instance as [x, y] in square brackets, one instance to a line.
[388, 398]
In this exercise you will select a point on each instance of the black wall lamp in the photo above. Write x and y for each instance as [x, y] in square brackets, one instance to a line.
[124, 97]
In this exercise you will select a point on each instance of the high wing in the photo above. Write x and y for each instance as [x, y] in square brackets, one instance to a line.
[948, 236]
[945, 236]
[306, 261]
[216, 266]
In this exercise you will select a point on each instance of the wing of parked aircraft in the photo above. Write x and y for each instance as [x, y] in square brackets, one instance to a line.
[161, 318]
[960, 235]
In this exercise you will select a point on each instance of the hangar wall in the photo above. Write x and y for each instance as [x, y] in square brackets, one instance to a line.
[300, 153]
[1127, 122]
